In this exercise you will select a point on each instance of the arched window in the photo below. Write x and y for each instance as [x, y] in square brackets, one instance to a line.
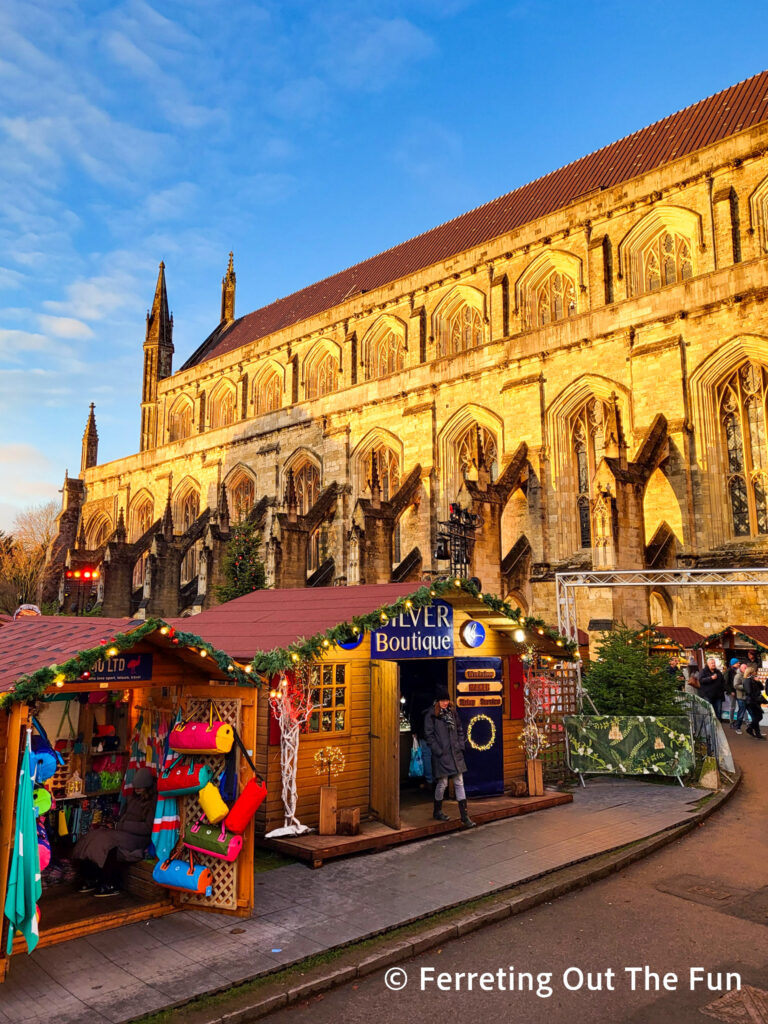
[242, 495]
[588, 443]
[741, 402]
[555, 298]
[142, 517]
[388, 469]
[268, 392]
[477, 448]
[223, 408]
[180, 420]
[185, 513]
[323, 376]
[98, 531]
[385, 354]
[666, 260]
[306, 480]
[464, 330]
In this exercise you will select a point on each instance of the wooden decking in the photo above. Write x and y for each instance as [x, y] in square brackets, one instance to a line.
[416, 823]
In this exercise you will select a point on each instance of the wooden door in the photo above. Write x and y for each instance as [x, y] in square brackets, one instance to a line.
[385, 742]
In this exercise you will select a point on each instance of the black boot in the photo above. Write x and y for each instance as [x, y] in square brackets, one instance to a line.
[438, 811]
[466, 821]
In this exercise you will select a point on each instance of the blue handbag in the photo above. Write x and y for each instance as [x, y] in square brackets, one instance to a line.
[184, 876]
[416, 767]
[45, 760]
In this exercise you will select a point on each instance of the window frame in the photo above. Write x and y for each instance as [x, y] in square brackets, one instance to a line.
[334, 685]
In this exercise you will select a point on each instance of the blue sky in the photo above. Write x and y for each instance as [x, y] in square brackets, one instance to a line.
[305, 136]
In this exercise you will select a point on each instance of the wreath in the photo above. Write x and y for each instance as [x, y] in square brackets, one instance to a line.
[491, 741]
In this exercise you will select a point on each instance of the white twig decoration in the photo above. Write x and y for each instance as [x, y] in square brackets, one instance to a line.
[291, 702]
[533, 738]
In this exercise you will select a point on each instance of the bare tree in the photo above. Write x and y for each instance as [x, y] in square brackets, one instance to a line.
[22, 555]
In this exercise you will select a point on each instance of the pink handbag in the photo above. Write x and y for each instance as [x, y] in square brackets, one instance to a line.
[202, 737]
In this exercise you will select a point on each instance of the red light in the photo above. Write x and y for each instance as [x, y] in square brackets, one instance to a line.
[86, 575]
[77, 574]
[69, 574]
[95, 574]
[85, 675]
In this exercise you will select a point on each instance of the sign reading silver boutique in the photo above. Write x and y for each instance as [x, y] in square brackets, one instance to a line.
[416, 633]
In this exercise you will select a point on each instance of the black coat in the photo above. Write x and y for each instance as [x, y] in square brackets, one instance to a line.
[446, 742]
[711, 684]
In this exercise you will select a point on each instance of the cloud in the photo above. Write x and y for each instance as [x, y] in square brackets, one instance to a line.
[97, 297]
[23, 472]
[376, 51]
[64, 326]
[15, 344]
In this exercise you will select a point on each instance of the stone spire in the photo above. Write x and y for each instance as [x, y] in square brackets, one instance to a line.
[223, 508]
[90, 451]
[291, 500]
[121, 534]
[158, 359]
[228, 283]
[615, 445]
[375, 482]
[168, 517]
[81, 536]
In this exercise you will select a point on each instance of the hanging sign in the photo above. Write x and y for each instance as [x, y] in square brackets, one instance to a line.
[472, 633]
[416, 633]
[481, 715]
[124, 668]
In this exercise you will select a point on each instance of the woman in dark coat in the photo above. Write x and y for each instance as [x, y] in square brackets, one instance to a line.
[445, 736]
[753, 689]
[97, 853]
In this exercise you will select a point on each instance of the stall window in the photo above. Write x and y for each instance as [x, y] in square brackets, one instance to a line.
[329, 698]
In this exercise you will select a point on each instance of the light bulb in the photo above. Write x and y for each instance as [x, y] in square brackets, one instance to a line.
[520, 636]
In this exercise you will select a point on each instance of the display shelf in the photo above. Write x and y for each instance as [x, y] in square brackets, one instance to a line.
[89, 796]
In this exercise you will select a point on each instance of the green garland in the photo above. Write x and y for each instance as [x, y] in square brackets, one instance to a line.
[30, 688]
[721, 632]
[267, 664]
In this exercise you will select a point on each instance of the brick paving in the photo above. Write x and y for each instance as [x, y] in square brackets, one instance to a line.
[125, 972]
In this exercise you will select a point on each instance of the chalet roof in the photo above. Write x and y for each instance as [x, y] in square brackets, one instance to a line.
[758, 634]
[710, 120]
[683, 636]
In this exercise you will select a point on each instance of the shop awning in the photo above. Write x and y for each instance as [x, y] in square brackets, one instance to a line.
[682, 637]
[734, 636]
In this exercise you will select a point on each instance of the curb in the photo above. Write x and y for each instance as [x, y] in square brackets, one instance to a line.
[498, 906]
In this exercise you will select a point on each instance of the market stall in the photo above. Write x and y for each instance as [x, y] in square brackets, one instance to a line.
[747, 643]
[348, 671]
[108, 700]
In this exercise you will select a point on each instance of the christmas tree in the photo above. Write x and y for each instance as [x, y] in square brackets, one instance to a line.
[242, 568]
[628, 678]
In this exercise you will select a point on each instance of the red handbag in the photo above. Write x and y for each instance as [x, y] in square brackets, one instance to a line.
[180, 779]
[250, 800]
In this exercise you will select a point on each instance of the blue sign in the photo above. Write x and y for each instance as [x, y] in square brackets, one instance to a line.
[482, 718]
[124, 668]
[350, 645]
[472, 633]
[416, 633]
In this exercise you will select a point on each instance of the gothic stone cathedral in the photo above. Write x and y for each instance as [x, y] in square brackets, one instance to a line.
[583, 362]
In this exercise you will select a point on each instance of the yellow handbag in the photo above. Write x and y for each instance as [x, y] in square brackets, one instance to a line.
[212, 804]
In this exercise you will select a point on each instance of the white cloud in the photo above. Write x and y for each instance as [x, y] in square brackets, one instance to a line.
[376, 51]
[64, 326]
[15, 344]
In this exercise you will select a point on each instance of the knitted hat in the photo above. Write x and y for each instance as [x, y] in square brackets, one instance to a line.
[734, 661]
[441, 693]
[143, 779]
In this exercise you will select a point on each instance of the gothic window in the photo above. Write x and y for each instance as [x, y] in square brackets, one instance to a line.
[555, 298]
[268, 392]
[187, 511]
[242, 495]
[142, 517]
[388, 468]
[323, 376]
[98, 531]
[464, 330]
[386, 354]
[477, 449]
[666, 260]
[587, 444]
[742, 404]
[223, 408]
[180, 421]
[318, 548]
[306, 480]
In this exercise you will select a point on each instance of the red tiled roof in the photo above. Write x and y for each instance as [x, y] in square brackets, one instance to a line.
[757, 633]
[275, 618]
[733, 110]
[31, 643]
[682, 635]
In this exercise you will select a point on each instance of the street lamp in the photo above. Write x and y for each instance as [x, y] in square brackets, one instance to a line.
[456, 538]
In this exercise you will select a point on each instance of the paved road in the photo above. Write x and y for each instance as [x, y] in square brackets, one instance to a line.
[700, 902]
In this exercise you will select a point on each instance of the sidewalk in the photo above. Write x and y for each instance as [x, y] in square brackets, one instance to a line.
[124, 973]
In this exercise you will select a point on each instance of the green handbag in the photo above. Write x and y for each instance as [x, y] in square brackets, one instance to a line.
[214, 840]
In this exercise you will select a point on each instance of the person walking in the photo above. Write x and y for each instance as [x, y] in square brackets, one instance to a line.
[712, 686]
[730, 691]
[754, 692]
[741, 698]
[445, 736]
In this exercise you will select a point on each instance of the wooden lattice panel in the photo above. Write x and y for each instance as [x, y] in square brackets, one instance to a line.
[560, 697]
[224, 875]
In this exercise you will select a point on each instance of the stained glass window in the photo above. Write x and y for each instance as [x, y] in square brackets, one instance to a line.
[666, 260]
[268, 393]
[588, 444]
[323, 377]
[180, 421]
[386, 354]
[555, 298]
[742, 401]
[223, 408]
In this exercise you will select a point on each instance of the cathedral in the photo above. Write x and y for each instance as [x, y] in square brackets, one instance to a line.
[582, 363]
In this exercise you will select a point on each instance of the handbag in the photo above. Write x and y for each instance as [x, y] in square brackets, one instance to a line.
[213, 806]
[216, 842]
[184, 876]
[109, 763]
[250, 800]
[179, 779]
[203, 737]
[42, 801]
[45, 760]
[416, 767]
